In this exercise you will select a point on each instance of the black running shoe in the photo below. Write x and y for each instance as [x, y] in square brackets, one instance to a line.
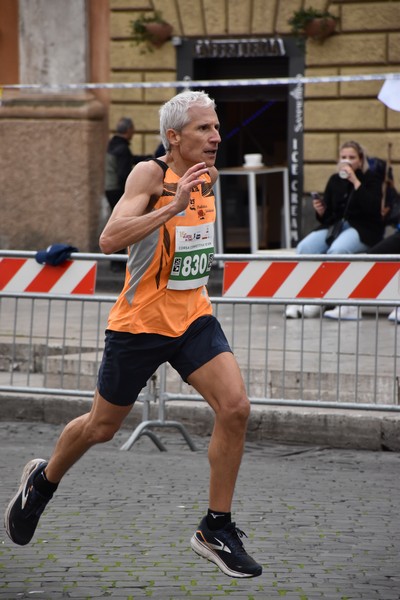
[23, 513]
[225, 548]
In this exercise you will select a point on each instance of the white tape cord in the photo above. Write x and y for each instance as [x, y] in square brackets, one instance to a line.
[188, 83]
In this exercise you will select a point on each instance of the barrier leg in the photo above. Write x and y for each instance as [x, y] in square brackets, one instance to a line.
[144, 428]
[149, 395]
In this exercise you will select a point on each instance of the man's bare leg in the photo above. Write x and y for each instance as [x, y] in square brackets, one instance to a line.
[95, 427]
[220, 383]
[218, 539]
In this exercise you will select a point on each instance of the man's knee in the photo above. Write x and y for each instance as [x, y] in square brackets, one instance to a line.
[236, 412]
[104, 420]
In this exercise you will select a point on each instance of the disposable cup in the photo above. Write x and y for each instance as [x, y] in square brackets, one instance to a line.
[253, 160]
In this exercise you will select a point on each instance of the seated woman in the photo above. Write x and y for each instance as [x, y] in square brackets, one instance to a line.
[350, 220]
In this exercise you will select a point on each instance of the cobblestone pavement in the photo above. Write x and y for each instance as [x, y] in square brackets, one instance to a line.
[324, 523]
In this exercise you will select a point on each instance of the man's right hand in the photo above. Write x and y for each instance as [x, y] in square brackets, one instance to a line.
[187, 182]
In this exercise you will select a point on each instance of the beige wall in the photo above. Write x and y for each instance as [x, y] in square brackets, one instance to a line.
[51, 171]
[52, 144]
[367, 41]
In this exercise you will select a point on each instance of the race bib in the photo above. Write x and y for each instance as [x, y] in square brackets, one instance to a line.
[193, 257]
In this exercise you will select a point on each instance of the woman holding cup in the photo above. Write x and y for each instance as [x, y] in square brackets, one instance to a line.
[349, 216]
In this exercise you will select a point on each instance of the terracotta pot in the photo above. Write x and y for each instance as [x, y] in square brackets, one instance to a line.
[159, 33]
[320, 28]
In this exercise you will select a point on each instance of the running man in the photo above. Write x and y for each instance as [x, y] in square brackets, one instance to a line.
[163, 314]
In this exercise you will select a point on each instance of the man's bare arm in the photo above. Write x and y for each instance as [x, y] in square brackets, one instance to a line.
[133, 218]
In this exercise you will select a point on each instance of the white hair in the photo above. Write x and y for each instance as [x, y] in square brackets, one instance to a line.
[174, 113]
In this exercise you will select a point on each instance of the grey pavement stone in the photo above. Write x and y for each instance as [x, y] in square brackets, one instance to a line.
[323, 522]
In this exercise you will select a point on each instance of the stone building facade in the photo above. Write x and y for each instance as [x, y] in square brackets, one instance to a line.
[366, 41]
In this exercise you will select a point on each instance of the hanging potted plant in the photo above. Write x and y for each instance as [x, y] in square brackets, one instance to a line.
[313, 23]
[150, 30]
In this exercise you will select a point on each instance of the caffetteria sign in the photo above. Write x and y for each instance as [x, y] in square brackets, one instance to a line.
[239, 48]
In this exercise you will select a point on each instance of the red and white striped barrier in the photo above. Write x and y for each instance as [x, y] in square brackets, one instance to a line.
[312, 279]
[26, 275]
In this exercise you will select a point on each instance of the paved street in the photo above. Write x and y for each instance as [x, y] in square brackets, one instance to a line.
[324, 523]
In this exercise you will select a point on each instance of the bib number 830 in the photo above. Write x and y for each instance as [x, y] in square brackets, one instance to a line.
[195, 264]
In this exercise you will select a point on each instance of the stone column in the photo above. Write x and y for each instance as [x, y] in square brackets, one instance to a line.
[53, 41]
[52, 150]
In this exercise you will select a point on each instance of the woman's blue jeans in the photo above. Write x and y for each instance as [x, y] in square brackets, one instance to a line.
[348, 242]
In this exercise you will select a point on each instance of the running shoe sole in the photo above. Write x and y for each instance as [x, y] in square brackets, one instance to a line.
[205, 551]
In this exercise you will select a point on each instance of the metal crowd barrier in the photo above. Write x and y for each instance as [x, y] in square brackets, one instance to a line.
[52, 344]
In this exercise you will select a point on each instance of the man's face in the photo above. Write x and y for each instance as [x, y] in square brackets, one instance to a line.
[199, 139]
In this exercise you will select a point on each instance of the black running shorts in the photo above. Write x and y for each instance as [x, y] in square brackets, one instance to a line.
[129, 360]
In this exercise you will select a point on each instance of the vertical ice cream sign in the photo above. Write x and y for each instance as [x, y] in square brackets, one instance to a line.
[296, 159]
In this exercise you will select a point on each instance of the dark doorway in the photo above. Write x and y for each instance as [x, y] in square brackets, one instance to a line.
[252, 126]
[254, 119]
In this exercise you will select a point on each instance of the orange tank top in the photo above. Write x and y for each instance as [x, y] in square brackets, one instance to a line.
[166, 275]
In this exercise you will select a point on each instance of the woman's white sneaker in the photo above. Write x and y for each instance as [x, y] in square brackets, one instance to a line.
[344, 313]
[395, 315]
[293, 311]
[311, 311]
[296, 311]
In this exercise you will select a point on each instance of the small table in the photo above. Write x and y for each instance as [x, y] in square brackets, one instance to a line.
[251, 173]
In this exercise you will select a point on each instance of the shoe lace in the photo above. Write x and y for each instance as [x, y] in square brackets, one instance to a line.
[235, 535]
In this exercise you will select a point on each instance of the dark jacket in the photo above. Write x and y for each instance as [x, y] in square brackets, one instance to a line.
[119, 163]
[363, 210]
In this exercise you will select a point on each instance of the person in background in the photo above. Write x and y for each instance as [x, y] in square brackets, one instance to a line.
[389, 245]
[120, 160]
[350, 220]
[163, 314]
[119, 163]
